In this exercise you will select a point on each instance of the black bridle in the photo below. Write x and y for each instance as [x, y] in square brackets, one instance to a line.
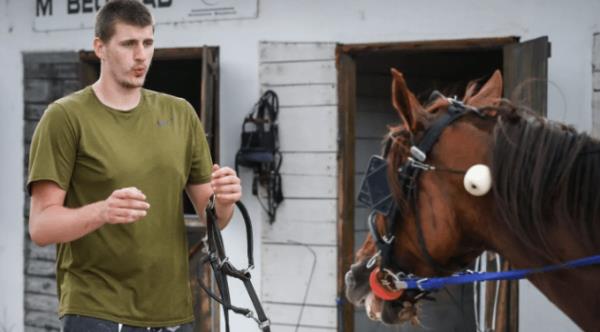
[222, 268]
[376, 194]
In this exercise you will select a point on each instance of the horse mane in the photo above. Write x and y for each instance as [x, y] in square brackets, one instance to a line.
[546, 177]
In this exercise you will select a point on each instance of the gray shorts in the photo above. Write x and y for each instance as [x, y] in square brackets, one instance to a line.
[76, 323]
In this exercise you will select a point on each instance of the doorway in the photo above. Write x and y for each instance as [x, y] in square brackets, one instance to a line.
[365, 110]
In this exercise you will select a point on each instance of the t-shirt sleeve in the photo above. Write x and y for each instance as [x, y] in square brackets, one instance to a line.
[201, 166]
[53, 149]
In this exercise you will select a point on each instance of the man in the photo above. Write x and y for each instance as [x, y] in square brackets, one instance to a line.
[108, 166]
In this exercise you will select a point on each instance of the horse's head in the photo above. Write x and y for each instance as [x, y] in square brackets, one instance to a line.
[435, 227]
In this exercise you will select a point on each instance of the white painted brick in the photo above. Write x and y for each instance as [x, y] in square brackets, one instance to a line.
[47, 320]
[41, 268]
[44, 253]
[40, 302]
[41, 285]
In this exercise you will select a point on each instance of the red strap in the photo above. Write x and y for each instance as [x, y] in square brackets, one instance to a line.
[382, 291]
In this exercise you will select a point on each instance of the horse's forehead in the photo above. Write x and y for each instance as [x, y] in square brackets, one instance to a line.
[462, 142]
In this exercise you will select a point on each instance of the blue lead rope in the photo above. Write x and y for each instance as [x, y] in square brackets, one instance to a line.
[428, 284]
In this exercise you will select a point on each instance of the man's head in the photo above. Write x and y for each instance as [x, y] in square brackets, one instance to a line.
[130, 12]
[124, 42]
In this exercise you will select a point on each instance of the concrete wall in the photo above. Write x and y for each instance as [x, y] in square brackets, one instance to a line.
[570, 27]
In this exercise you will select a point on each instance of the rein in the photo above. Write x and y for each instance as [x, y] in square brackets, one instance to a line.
[222, 268]
[428, 284]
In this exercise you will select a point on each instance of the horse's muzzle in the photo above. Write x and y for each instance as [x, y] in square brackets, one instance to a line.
[357, 283]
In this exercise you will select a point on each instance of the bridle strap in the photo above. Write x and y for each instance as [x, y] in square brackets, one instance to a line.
[222, 269]
[456, 110]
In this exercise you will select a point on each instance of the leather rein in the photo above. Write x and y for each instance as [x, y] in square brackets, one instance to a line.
[214, 248]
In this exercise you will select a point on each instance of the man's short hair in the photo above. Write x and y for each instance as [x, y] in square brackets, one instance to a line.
[130, 12]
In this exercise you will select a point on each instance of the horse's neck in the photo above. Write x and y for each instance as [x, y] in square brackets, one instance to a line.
[575, 291]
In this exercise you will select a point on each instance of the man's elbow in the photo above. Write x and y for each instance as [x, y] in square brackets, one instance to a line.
[36, 234]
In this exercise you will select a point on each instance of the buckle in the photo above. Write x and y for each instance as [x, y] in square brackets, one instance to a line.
[261, 325]
[420, 165]
[211, 202]
[264, 324]
[373, 260]
[398, 283]
[388, 240]
[223, 262]
[418, 154]
[248, 269]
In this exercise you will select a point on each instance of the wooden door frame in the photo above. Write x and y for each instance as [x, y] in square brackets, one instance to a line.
[345, 54]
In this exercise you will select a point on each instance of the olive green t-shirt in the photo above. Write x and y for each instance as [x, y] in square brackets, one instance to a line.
[137, 273]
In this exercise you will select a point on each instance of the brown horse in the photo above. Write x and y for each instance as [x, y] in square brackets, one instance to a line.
[543, 207]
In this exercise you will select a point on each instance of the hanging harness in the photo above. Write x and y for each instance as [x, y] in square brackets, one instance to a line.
[259, 151]
[376, 194]
[222, 268]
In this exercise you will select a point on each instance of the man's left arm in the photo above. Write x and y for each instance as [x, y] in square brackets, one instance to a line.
[227, 189]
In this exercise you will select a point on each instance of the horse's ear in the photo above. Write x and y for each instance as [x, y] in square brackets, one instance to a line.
[489, 94]
[404, 101]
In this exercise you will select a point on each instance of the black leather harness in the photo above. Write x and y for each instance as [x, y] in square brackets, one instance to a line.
[222, 268]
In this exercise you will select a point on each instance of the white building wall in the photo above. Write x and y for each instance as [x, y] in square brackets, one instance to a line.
[569, 25]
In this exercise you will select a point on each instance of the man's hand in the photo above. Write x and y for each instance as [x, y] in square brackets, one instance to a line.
[51, 222]
[124, 206]
[225, 185]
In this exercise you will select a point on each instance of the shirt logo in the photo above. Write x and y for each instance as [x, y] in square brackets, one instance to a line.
[162, 123]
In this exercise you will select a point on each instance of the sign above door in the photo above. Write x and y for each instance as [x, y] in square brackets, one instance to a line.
[52, 15]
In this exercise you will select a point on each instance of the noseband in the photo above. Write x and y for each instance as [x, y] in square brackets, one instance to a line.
[376, 194]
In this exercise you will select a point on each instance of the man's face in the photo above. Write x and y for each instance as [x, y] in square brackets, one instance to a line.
[127, 55]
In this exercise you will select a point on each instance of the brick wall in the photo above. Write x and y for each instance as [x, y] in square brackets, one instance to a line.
[47, 77]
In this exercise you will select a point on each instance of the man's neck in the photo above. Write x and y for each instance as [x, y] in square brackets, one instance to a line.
[116, 96]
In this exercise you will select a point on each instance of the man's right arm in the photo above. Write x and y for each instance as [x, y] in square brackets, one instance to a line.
[51, 222]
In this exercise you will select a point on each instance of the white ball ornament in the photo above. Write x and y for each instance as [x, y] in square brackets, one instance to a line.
[478, 180]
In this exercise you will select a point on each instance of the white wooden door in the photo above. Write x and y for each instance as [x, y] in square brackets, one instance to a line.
[299, 250]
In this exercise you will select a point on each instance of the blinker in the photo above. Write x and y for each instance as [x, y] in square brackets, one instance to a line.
[375, 191]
